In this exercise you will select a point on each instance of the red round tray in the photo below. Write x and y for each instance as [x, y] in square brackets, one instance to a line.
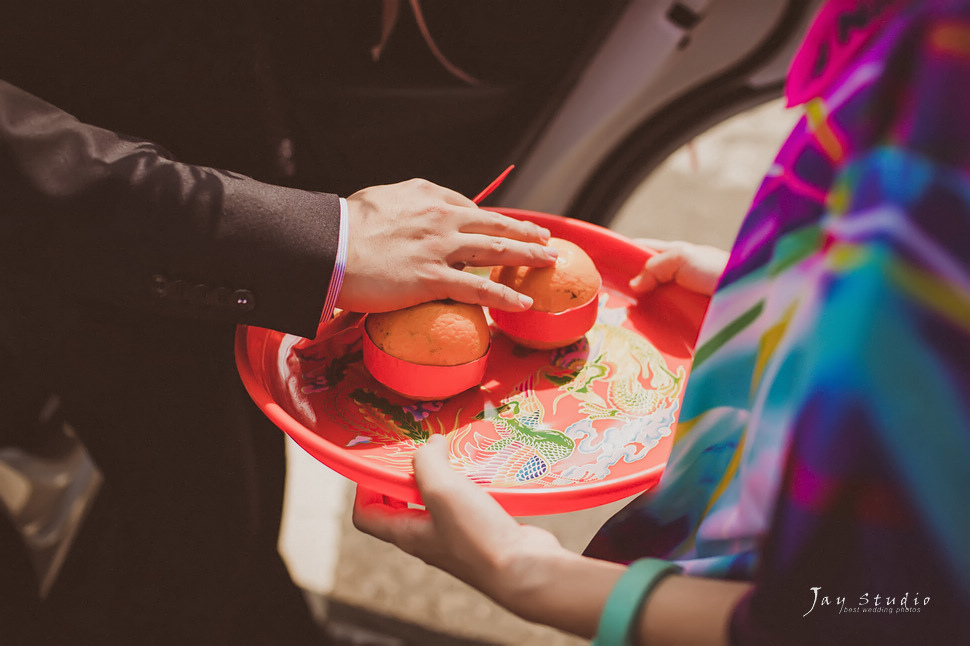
[546, 432]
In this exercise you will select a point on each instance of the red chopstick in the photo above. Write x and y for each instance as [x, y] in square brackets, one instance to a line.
[494, 185]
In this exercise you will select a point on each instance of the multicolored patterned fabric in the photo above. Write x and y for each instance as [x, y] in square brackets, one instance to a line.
[825, 436]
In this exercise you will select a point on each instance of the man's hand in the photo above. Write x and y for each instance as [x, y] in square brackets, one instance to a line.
[408, 243]
[694, 267]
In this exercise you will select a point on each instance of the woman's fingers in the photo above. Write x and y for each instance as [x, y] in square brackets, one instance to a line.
[445, 492]
[463, 531]
[389, 520]
[661, 268]
[467, 520]
[694, 267]
[458, 513]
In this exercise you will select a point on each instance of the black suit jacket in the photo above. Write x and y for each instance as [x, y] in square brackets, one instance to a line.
[123, 273]
[97, 215]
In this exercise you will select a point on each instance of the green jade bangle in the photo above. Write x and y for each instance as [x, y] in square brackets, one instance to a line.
[618, 621]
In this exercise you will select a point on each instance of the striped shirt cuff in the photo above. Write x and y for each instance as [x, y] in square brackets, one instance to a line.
[337, 278]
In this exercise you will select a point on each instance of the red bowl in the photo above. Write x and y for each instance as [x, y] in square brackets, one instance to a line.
[547, 330]
[419, 381]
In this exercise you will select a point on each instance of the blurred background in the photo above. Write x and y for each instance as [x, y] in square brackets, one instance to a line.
[369, 593]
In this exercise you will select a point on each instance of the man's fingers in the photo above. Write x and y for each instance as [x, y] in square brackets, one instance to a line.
[466, 287]
[495, 224]
[483, 251]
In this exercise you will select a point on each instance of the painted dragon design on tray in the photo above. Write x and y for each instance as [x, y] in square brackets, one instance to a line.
[613, 386]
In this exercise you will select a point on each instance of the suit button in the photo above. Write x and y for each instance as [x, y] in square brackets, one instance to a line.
[243, 300]
[159, 286]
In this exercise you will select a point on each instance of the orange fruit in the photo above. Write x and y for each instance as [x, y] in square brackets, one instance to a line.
[572, 281]
[438, 333]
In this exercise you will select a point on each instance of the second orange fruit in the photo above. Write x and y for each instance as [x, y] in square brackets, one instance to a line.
[572, 281]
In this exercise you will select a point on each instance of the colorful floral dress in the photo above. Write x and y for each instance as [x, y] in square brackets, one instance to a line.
[823, 449]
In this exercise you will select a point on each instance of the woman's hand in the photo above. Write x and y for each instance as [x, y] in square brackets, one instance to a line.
[694, 267]
[464, 531]
[408, 243]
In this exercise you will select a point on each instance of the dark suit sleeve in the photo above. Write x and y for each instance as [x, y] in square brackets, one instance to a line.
[88, 213]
